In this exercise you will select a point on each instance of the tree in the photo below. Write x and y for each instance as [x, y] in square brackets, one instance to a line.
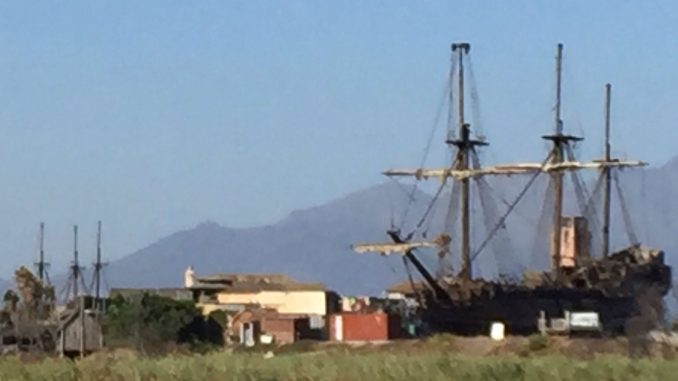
[34, 297]
[10, 299]
[151, 322]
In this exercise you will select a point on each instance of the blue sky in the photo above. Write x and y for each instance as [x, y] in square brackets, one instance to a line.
[156, 115]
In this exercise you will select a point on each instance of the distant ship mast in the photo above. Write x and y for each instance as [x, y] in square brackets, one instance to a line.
[42, 265]
[98, 270]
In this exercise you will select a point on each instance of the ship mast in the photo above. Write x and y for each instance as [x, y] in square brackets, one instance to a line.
[607, 172]
[465, 146]
[560, 141]
[463, 160]
[42, 265]
[98, 267]
[76, 264]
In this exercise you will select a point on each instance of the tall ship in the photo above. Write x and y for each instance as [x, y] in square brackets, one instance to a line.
[623, 288]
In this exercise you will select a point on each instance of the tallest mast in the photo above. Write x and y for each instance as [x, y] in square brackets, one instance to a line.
[465, 146]
[463, 163]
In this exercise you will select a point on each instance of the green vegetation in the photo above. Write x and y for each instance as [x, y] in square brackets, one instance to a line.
[154, 324]
[537, 342]
[338, 366]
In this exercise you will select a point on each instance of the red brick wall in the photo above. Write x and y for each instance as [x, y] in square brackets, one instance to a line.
[282, 329]
[286, 330]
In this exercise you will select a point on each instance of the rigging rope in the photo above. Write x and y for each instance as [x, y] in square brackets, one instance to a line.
[543, 228]
[506, 203]
[450, 105]
[86, 290]
[506, 265]
[630, 231]
[450, 220]
[579, 188]
[503, 218]
[105, 280]
[596, 192]
[411, 279]
[427, 149]
[584, 201]
[429, 221]
[591, 214]
[428, 210]
[475, 102]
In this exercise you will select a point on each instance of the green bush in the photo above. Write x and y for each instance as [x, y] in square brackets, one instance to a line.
[537, 342]
[152, 324]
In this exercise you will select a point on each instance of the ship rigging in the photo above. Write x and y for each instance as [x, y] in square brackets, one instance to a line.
[564, 284]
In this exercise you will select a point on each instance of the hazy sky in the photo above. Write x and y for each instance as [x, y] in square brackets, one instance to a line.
[156, 115]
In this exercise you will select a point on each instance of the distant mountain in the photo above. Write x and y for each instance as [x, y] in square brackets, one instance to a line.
[314, 244]
[311, 245]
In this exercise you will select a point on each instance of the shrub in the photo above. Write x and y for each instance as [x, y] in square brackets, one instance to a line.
[152, 324]
[537, 342]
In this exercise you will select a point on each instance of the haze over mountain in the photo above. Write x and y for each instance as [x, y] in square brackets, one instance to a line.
[311, 244]
[314, 244]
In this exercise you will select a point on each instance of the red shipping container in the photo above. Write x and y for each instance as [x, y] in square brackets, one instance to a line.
[363, 327]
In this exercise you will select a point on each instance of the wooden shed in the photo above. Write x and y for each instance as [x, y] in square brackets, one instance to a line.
[78, 333]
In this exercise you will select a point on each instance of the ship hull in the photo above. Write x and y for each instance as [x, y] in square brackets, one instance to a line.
[626, 290]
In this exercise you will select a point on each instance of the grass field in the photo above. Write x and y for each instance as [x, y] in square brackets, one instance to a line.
[436, 360]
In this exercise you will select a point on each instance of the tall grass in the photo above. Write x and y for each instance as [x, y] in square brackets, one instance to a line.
[339, 366]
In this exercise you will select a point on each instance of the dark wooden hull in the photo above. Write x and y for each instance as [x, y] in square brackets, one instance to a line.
[627, 296]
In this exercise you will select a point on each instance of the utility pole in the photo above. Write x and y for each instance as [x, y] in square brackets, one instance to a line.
[607, 172]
